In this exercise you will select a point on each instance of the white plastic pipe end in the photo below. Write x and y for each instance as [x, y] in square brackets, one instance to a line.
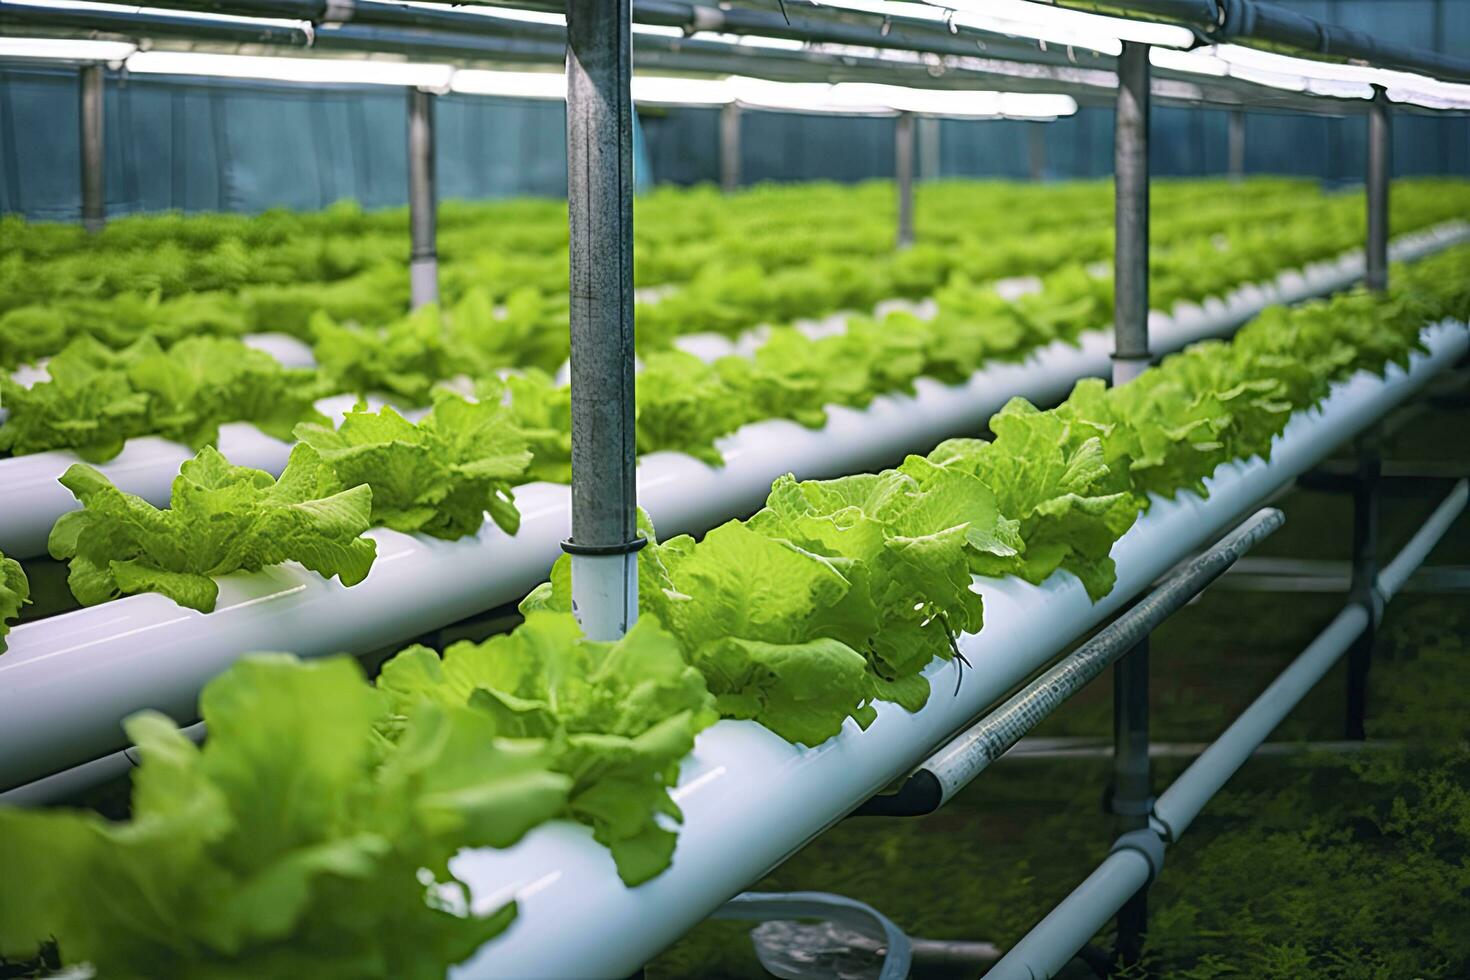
[605, 594]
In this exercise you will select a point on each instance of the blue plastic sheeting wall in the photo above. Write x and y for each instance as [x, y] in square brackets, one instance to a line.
[224, 145]
[683, 146]
[199, 144]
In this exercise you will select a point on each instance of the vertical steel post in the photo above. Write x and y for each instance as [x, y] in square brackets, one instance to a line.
[1364, 586]
[423, 200]
[1380, 163]
[928, 148]
[1236, 147]
[1036, 150]
[1130, 795]
[1130, 183]
[94, 166]
[604, 537]
[903, 176]
[730, 147]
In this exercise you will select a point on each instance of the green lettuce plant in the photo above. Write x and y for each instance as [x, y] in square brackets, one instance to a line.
[438, 476]
[299, 840]
[15, 591]
[220, 519]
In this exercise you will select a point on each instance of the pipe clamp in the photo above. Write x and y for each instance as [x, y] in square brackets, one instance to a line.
[624, 548]
[338, 12]
[1146, 842]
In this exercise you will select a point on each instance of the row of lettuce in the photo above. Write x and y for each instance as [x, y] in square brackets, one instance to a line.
[313, 832]
[96, 397]
[461, 460]
[677, 230]
[736, 277]
[196, 263]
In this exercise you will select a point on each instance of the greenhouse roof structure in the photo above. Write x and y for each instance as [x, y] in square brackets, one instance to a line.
[912, 45]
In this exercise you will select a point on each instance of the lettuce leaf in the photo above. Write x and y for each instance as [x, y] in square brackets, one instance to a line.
[96, 398]
[438, 476]
[15, 591]
[221, 519]
[542, 410]
[404, 359]
[295, 842]
[1052, 481]
[619, 717]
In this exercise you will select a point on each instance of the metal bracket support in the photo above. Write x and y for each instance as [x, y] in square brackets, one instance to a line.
[337, 12]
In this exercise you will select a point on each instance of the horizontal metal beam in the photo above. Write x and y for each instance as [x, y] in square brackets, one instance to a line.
[1082, 747]
[462, 37]
[1279, 26]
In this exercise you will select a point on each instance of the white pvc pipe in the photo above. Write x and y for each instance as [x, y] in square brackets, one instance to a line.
[423, 281]
[31, 500]
[1404, 564]
[1049, 945]
[1075, 920]
[605, 594]
[1177, 807]
[750, 799]
[292, 352]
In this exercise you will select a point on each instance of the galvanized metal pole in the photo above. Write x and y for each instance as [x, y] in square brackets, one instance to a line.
[1380, 164]
[1131, 797]
[94, 167]
[928, 148]
[730, 147]
[1363, 589]
[1237, 144]
[1036, 150]
[1130, 183]
[423, 201]
[604, 537]
[903, 176]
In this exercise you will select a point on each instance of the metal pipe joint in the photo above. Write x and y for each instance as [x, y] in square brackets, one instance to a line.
[1148, 842]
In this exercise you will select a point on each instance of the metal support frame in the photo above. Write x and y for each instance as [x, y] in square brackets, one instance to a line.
[423, 200]
[1036, 151]
[949, 770]
[1138, 856]
[1236, 144]
[929, 148]
[730, 151]
[94, 164]
[1129, 797]
[1362, 589]
[1130, 180]
[434, 32]
[1275, 26]
[903, 175]
[1379, 174]
[604, 537]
